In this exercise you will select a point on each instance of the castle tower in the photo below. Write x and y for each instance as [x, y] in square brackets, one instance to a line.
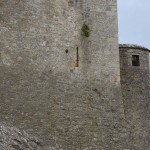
[57, 83]
[135, 88]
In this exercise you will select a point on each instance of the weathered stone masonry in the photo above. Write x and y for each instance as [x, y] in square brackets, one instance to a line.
[136, 94]
[44, 91]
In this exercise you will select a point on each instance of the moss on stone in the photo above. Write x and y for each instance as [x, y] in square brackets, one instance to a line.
[85, 30]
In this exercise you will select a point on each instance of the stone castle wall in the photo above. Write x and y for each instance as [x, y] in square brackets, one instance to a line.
[136, 94]
[43, 91]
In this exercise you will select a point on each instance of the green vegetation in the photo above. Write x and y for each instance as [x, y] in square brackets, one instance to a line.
[85, 30]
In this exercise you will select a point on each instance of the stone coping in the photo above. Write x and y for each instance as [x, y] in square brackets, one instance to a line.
[133, 46]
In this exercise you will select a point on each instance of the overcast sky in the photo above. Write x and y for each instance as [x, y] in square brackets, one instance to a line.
[134, 22]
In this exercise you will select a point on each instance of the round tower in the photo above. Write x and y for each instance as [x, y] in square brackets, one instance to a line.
[134, 61]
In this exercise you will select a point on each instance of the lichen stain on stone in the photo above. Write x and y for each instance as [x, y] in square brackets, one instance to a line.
[73, 63]
[6, 59]
[115, 79]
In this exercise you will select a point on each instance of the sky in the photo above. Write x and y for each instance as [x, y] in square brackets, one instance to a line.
[134, 22]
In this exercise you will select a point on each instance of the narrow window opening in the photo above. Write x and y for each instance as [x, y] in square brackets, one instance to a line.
[135, 60]
[77, 57]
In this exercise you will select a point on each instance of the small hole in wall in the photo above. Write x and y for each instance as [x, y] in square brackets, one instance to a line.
[66, 51]
[95, 90]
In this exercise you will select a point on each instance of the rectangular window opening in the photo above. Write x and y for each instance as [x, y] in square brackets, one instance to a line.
[135, 60]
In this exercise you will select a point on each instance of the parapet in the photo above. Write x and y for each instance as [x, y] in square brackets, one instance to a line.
[133, 46]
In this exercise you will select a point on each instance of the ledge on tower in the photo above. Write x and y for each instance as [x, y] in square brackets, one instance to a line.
[133, 46]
